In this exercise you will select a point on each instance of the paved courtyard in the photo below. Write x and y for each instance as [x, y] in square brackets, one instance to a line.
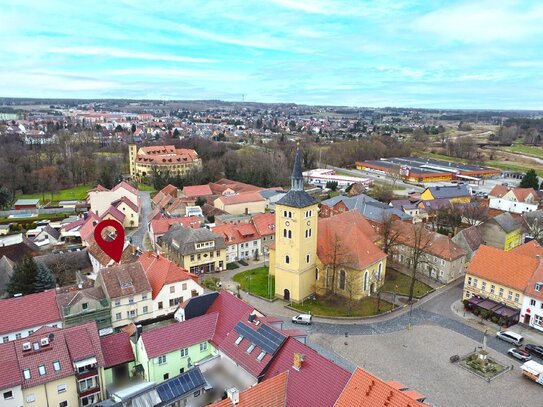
[419, 358]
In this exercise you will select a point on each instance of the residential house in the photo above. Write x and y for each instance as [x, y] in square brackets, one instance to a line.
[232, 219]
[454, 193]
[170, 284]
[411, 208]
[469, 240]
[101, 199]
[129, 292]
[497, 279]
[119, 360]
[16, 323]
[197, 191]
[225, 186]
[365, 389]
[59, 367]
[170, 350]
[242, 241]
[100, 259]
[130, 211]
[442, 260]
[502, 232]
[349, 263]
[265, 226]
[515, 200]
[80, 305]
[67, 265]
[158, 227]
[16, 247]
[168, 191]
[197, 250]
[243, 203]
[313, 380]
[23, 204]
[10, 379]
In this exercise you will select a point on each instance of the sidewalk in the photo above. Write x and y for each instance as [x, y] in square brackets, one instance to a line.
[530, 335]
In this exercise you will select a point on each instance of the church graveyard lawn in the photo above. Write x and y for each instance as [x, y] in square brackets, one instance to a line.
[256, 282]
[396, 282]
[338, 307]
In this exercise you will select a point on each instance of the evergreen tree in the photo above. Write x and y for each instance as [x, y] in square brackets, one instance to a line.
[44, 279]
[530, 180]
[23, 277]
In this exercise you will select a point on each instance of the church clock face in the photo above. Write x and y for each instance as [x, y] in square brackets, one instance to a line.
[287, 223]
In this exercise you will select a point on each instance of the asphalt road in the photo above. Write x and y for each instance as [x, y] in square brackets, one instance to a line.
[139, 234]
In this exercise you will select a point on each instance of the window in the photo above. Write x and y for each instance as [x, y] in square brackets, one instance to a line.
[160, 305]
[379, 270]
[118, 316]
[240, 338]
[184, 352]
[261, 356]
[184, 286]
[469, 280]
[56, 365]
[287, 259]
[538, 286]
[501, 292]
[5, 339]
[342, 280]
[85, 306]
[541, 306]
[492, 288]
[63, 404]
[316, 273]
[366, 281]
[290, 234]
[166, 376]
[8, 395]
[145, 309]
[250, 348]
[475, 282]
[172, 289]
[483, 286]
[203, 346]
[284, 233]
[192, 257]
[61, 388]
[510, 295]
[532, 303]
[17, 336]
[30, 332]
[538, 319]
[307, 258]
[26, 374]
[41, 370]
[517, 297]
[30, 398]
[117, 303]
[144, 297]
[162, 359]
[86, 384]
[131, 300]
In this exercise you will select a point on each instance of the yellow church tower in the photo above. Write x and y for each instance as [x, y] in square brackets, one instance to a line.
[293, 262]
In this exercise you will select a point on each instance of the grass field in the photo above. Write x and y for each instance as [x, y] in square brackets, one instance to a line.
[338, 307]
[399, 283]
[256, 282]
[145, 187]
[70, 194]
[531, 151]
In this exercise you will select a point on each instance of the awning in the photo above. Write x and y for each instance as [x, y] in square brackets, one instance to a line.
[85, 362]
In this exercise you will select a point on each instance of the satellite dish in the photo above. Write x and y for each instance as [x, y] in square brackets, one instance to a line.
[51, 337]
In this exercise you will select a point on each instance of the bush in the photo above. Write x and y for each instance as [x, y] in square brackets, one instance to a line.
[232, 266]
[243, 262]
[466, 304]
[211, 283]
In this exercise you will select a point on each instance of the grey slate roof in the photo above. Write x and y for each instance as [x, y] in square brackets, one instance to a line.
[507, 222]
[183, 239]
[472, 236]
[268, 193]
[449, 192]
[198, 306]
[297, 169]
[369, 207]
[297, 199]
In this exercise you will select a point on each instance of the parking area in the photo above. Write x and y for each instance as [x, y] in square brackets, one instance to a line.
[419, 358]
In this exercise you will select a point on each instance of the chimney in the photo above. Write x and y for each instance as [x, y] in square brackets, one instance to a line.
[298, 360]
[139, 330]
[233, 395]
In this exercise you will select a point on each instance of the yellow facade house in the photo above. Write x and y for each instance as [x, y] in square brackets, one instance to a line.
[454, 194]
[177, 161]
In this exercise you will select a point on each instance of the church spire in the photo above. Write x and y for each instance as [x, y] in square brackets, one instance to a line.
[297, 178]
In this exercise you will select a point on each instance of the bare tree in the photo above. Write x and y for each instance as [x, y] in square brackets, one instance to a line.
[339, 258]
[389, 234]
[351, 286]
[474, 214]
[419, 243]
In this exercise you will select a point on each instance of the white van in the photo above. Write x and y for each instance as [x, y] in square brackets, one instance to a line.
[510, 336]
[302, 319]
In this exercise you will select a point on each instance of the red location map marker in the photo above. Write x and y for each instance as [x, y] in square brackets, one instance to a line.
[113, 248]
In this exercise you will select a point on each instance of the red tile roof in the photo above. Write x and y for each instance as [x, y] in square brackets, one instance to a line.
[343, 238]
[21, 313]
[223, 184]
[124, 280]
[197, 190]
[241, 198]
[161, 271]
[365, 389]
[264, 223]
[115, 213]
[170, 190]
[116, 349]
[269, 393]
[170, 338]
[161, 226]
[87, 230]
[234, 234]
[506, 268]
[126, 186]
[11, 374]
[531, 249]
[319, 382]
[166, 155]
[231, 310]
[126, 201]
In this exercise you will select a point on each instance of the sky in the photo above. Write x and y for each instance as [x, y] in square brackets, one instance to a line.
[436, 54]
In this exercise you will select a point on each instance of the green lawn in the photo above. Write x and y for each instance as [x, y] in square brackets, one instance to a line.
[532, 151]
[256, 282]
[76, 193]
[338, 307]
[399, 283]
[145, 187]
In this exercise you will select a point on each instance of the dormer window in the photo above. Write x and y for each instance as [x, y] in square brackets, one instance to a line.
[250, 348]
[538, 286]
[26, 374]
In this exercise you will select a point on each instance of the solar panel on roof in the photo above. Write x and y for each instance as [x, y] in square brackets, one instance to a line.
[265, 338]
[181, 385]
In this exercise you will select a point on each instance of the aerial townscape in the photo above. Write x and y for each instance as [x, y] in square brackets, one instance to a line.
[202, 205]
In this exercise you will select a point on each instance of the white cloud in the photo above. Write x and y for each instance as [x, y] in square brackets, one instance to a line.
[120, 53]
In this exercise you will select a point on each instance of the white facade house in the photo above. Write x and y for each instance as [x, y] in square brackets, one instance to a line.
[511, 206]
[171, 295]
[532, 312]
[11, 396]
[100, 199]
[514, 200]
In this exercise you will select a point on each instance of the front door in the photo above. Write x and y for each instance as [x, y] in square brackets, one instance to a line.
[527, 319]
[286, 294]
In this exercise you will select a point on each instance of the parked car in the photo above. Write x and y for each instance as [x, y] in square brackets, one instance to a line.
[519, 354]
[510, 336]
[302, 319]
[534, 349]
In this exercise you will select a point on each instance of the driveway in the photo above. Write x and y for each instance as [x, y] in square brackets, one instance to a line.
[138, 235]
